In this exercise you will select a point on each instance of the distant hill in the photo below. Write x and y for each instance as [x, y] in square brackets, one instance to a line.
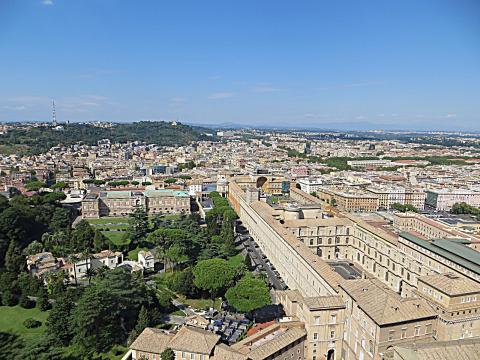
[35, 140]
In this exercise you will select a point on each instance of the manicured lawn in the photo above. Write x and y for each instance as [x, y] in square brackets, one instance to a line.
[111, 227]
[133, 254]
[12, 318]
[236, 260]
[116, 237]
[200, 304]
[109, 220]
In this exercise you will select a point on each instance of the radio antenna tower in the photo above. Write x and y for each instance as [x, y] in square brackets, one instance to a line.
[54, 114]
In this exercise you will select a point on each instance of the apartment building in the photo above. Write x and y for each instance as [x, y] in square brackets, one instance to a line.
[327, 238]
[389, 195]
[457, 301]
[310, 185]
[299, 247]
[122, 203]
[323, 318]
[444, 199]
[189, 343]
[349, 199]
[268, 184]
[279, 341]
[283, 340]
[467, 349]
[433, 229]
[378, 318]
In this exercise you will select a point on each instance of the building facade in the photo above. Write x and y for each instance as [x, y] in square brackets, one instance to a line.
[122, 203]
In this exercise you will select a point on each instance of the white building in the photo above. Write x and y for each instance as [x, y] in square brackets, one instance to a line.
[444, 199]
[310, 185]
[146, 259]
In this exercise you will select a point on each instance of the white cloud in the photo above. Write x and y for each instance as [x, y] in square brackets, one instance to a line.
[220, 95]
[451, 115]
[47, 2]
[360, 117]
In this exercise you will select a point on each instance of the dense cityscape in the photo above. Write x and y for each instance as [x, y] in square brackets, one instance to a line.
[239, 180]
[242, 244]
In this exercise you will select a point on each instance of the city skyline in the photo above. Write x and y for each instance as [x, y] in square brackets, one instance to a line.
[317, 65]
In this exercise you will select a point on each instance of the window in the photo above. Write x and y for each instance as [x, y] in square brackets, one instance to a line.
[332, 334]
[404, 334]
[417, 330]
[428, 328]
[315, 336]
[391, 335]
[317, 320]
[333, 319]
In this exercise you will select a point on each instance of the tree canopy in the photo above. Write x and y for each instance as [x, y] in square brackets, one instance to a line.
[248, 294]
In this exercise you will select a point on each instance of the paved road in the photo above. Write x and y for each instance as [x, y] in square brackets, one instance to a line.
[183, 307]
[173, 319]
[256, 257]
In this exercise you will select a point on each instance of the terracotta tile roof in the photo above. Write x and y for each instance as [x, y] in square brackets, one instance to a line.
[270, 340]
[194, 340]
[152, 340]
[223, 352]
[468, 349]
[323, 302]
[451, 284]
[257, 327]
[383, 305]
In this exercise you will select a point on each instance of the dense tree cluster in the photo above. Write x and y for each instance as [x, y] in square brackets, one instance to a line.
[403, 207]
[36, 140]
[86, 321]
[23, 220]
[464, 208]
[248, 294]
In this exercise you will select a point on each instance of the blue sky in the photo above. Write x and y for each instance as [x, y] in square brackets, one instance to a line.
[398, 64]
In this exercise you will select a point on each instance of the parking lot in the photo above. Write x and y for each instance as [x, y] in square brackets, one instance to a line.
[230, 329]
[260, 262]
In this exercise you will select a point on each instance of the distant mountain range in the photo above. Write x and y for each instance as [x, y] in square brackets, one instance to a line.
[338, 126]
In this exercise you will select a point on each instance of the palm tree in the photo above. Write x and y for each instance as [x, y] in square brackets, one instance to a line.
[85, 257]
[90, 273]
[161, 254]
[72, 259]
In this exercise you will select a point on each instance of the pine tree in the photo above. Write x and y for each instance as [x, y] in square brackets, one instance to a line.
[14, 261]
[42, 302]
[59, 324]
[142, 321]
[100, 241]
[138, 225]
